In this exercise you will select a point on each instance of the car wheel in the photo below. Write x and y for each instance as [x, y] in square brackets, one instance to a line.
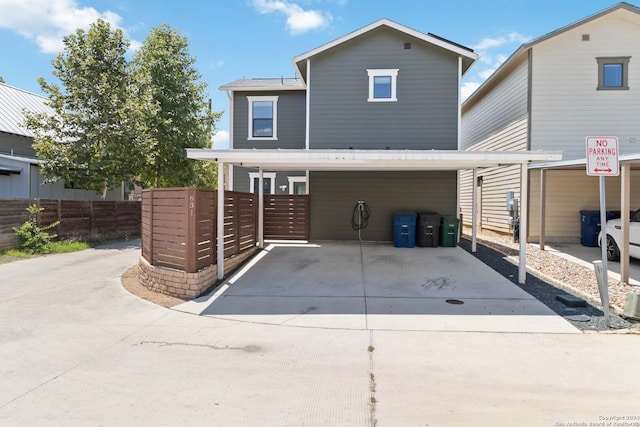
[613, 253]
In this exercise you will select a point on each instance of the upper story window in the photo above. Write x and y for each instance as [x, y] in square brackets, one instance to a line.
[382, 85]
[613, 73]
[263, 117]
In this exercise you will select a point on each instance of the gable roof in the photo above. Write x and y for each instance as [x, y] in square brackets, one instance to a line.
[515, 56]
[12, 103]
[467, 54]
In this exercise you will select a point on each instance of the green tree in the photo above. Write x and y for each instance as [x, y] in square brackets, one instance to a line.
[2, 80]
[164, 70]
[96, 139]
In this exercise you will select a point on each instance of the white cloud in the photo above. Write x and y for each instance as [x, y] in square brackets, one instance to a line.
[493, 42]
[493, 51]
[468, 88]
[46, 22]
[298, 20]
[221, 140]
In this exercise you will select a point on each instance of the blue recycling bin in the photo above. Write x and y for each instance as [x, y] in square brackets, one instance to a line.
[590, 227]
[404, 229]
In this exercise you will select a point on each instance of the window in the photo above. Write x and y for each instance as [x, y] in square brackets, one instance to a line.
[268, 181]
[613, 73]
[297, 184]
[263, 117]
[382, 85]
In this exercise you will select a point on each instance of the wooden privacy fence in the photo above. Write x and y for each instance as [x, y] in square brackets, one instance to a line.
[179, 225]
[77, 218]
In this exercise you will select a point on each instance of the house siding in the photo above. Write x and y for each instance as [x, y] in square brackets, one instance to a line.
[16, 145]
[425, 115]
[498, 121]
[563, 207]
[290, 115]
[334, 195]
[566, 107]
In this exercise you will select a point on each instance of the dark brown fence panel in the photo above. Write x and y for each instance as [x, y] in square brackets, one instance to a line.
[12, 214]
[247, 217]
[128, 217]
[205, 228]
[286, 217]
[169, 227]
[179, 226]
[77, 218]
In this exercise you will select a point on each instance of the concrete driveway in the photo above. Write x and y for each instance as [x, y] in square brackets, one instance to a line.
[77, 349]
[377, 286]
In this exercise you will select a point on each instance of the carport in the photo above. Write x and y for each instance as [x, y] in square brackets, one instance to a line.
[372, 160]
[627, 163]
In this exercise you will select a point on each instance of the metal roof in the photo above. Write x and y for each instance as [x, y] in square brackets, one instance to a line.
[264, 84]
[12, 103]
[370, 160]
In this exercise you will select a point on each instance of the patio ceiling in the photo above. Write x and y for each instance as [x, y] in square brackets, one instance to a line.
[371, 160]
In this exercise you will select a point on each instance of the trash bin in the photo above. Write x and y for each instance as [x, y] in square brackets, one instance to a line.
[590, 227]
[404, 229]
[428, 230]
[449, 231]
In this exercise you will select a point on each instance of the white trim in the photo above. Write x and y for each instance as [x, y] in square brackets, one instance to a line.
[308, 106]
[230, 183]
[270, 175]
[371, 160]
[231, 97]
[251, 100]
[459, 102]
[220, 222]
[261, 208]
[373, 73]
[294, 179]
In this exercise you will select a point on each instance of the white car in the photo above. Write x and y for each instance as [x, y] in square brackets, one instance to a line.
[613, 229]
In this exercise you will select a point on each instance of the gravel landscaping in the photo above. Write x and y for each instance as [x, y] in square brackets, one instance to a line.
[549, 276]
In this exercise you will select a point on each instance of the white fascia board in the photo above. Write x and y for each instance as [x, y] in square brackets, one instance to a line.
[22, 159]
[371, 159]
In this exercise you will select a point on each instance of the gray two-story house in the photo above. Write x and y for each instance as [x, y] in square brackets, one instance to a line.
[383, 87]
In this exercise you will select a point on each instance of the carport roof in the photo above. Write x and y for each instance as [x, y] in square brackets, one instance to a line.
[370, 160]
[633, 158]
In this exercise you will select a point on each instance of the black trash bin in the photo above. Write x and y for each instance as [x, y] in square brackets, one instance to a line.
[428, 230]
[404, 229]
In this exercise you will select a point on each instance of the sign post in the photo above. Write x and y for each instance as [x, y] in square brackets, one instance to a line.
[602, 161]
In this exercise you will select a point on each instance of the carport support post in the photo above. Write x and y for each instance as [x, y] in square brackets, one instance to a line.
[220, 221]
[261, 207]
[543, 206]
[524, 208]
[625, 206]
[474, 210]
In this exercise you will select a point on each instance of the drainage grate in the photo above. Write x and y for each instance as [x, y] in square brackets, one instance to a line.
[454, 301]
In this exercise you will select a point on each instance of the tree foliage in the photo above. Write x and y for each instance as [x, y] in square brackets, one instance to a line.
[96, 139]
[166, 73]
[34, 237]
[121, 121]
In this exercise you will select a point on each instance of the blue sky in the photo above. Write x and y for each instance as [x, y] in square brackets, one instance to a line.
[233, 39]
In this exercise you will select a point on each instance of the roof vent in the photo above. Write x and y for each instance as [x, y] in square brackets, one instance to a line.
[585, 37]
[407, 45]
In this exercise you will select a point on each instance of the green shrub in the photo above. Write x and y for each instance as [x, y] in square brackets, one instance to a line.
[35, 239]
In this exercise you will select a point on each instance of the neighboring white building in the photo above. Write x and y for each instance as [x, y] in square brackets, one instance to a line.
[580, 80]
[20, 176]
